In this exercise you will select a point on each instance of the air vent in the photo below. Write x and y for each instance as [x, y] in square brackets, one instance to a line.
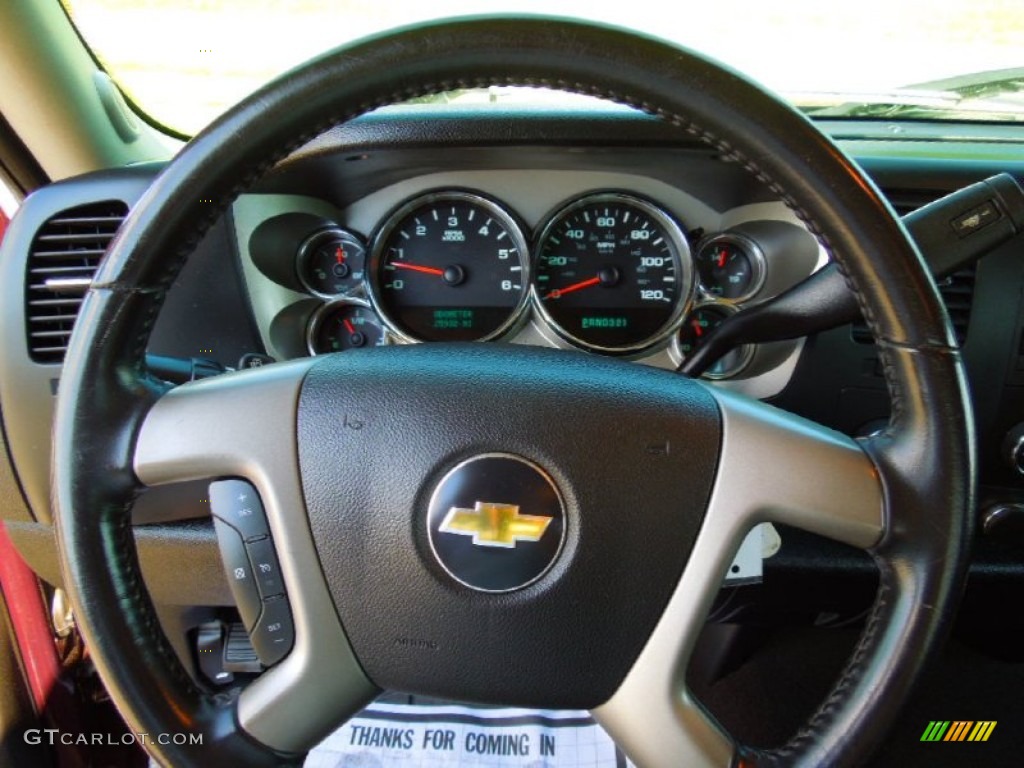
[65, 254]
[957, 290]
[904, 201]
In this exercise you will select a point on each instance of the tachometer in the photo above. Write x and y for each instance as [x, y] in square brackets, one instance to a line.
[450, 266]
[614, 273]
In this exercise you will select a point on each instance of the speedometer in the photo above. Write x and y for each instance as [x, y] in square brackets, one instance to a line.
[614, 273]
[450, 266]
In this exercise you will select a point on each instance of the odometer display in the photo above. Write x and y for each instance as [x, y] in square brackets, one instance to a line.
[613, 273]
[450, 266]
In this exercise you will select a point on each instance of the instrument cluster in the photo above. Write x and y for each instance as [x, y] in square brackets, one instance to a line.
[608, 272]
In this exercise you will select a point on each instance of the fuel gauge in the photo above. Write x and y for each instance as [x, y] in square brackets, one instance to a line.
[331, 262]
[344, 324]
[731, 267]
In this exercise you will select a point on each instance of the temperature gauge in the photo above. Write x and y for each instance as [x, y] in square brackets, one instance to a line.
[330, 262]
[731, 267]
[698, 324]
[344, 324]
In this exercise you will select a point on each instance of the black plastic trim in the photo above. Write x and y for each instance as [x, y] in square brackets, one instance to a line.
[18, 163]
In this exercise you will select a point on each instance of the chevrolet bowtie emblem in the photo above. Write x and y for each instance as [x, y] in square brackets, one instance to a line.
[495, 525]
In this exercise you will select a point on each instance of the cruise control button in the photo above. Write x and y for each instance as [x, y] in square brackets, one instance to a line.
[240, 574]
[265, 567]
[274, 633]
[237, 503]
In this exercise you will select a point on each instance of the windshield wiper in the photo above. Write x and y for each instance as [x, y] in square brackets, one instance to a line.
[991, 95]
[979, 85]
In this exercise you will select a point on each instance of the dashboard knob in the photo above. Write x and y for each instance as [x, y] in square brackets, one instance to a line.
[1004, 521]
[1013, 448]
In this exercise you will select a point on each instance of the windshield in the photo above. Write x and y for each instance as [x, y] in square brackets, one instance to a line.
[186, 61]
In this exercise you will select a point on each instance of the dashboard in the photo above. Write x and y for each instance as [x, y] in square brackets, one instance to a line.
[598, 230]
[608, 263]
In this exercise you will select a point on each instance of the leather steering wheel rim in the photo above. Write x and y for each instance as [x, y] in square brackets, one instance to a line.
[924, 460]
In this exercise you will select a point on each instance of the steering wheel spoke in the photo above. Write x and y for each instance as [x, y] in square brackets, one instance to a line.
[244, 425]
[778, 467]
[238, 424]
[773, 467]
[659, 723]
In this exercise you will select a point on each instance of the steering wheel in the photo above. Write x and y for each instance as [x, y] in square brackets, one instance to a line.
[608, 618]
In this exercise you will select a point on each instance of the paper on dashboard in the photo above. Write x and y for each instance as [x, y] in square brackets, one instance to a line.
[387, 735]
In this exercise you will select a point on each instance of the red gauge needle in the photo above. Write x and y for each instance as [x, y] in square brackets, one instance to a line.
[560, 292]
[722, 256]
[349, 327]
[339, 254]
[418, 268]
[697, 329]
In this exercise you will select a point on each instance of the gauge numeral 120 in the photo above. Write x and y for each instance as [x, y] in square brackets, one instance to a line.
[598, 258]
